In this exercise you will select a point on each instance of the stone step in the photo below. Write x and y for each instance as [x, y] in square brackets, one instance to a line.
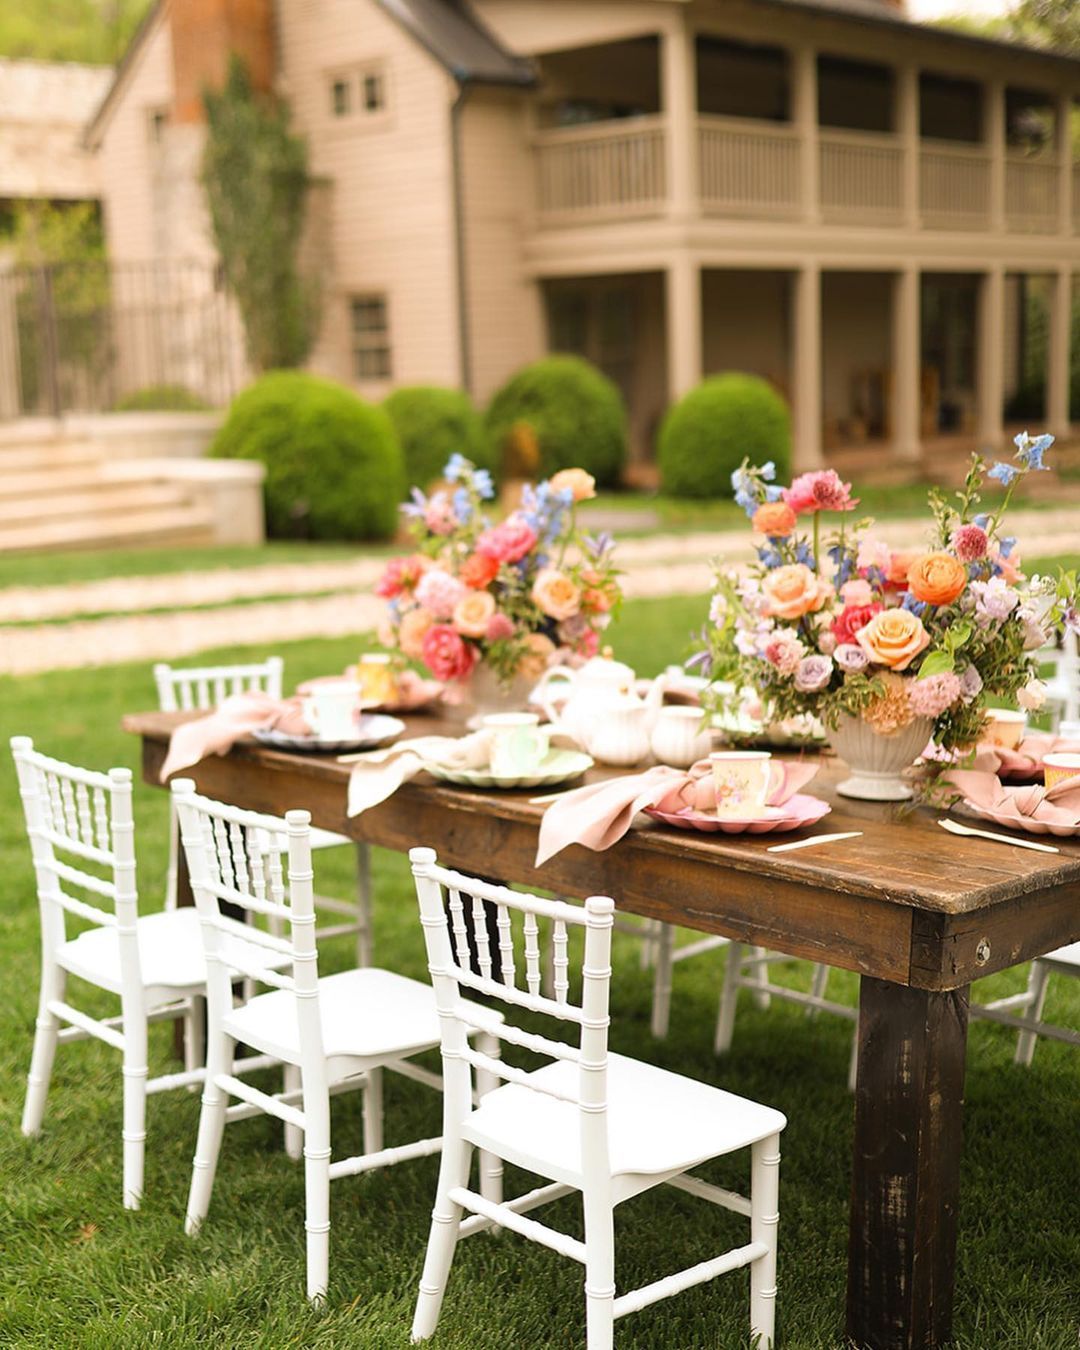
[34, 482]
[102, 501]
[172, 526]
[46, 457]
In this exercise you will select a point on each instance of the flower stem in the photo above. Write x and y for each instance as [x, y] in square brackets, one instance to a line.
[817, 542]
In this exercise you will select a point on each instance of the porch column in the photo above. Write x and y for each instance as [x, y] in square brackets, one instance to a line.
[805, 118]
[1063, 114]
[991, 359]
[994, 135]
[684, 337]
[806, 367]
[678, 94]
[907, 125]
[906, 365]
[1057, 374]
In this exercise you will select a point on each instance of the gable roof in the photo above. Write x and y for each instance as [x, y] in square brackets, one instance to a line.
[94, 128]
[460, 42]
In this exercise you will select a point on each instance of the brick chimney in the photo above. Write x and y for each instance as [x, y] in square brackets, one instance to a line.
[205, 33]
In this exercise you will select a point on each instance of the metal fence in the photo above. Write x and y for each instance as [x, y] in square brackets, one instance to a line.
[85, 337]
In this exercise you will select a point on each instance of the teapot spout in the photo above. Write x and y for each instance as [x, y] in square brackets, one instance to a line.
[654, 699]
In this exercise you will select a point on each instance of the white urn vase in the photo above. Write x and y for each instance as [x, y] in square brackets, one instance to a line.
[876, 761]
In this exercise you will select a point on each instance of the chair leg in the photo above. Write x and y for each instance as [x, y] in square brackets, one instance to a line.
[373, 1111]
[1038, 980]
[599, 1272]
[818, 986]
[646, 954]
[760, 975]
[764, 1221]
[317, 1190]
[208, 1144]
[729, 996]
[445, 1217]
[195, 1035]
[662, 956]
[134, 1130]
[491, 1165]
[294, 1135]
[365, 937]
[46, 1032]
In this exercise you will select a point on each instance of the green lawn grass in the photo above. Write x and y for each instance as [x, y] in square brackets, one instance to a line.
[79, 1271]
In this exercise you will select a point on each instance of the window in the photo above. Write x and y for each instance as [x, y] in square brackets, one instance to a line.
[374, 97]
[340, 100]
[370, 337]
[156, 122]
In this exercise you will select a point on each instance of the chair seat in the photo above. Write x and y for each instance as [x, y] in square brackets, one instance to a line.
[657, 1121]
[1065, 956]
[170, 953]
[367, 1014]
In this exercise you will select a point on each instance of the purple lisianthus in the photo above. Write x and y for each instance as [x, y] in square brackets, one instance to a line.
[851, 658]
[813, 673]
[971, 683]
[930, 697]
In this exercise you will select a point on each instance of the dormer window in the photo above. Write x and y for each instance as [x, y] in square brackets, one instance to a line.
[357, 95]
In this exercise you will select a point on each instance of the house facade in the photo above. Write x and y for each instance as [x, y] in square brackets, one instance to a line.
[880, 218]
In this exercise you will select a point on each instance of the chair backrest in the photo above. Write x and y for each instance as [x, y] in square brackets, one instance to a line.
[208, 686]
[450, 964]
[82, 839]
[235, 858]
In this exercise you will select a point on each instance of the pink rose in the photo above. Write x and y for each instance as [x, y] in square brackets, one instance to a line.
[508, 542]
[446, 653]
[554, 594]
[439, 592]
[851, 618]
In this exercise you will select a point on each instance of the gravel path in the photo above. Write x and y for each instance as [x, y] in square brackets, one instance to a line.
[331, 599]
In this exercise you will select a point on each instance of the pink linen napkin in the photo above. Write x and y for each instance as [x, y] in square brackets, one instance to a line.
[599, 814]
[237, 716]
[1018, 806]
[1026, 761]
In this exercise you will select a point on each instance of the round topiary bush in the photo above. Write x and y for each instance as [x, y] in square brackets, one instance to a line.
[163, 398]
[334, 468]
[575, 412]
[709, 432]
[431, 424]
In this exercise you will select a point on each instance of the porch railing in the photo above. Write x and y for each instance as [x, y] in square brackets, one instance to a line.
[593, 172]
[747, 169]
[954, 187]
[1031, 196]
[862, 178]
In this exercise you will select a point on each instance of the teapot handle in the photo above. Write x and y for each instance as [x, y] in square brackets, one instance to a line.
[540, 694]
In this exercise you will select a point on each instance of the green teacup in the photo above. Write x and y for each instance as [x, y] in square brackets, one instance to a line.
[519, 745]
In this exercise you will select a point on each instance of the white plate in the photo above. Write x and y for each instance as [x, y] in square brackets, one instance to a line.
[372, 731]
[559, 767]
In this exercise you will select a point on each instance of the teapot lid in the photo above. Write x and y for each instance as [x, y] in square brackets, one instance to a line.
[603, 667]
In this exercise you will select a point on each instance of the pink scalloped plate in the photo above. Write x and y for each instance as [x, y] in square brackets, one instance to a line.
[1030, 824]
[797, 811]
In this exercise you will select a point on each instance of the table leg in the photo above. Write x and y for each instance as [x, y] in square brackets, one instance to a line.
[906, 1170]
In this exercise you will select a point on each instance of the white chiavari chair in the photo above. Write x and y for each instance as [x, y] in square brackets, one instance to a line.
[332, 1033]
[1024, 1011]
[206, 687]
[81, 833]
[1063, 686]
[590, 1122]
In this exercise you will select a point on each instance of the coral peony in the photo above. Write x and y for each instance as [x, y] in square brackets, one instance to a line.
[936, 578]
[554, 594]
[851, 618]
[793, 591]
[446, 653]
[581, 484]
[478, 571]
[439, 592]
[893, 638]
[508, 542]
[473, 612]
[414, 624]
[775, 519]
[820, 490]
[401, 576]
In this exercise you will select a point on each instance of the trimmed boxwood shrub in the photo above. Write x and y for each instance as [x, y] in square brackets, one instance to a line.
[334, 468]
[709, 432]
[431, 424]
[576, 413]
[163, 398]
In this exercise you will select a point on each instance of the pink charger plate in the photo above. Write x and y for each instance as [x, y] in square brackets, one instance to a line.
[797, 811]
[1029, 824]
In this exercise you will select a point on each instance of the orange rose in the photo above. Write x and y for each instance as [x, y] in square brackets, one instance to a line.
[538, 653]
[776, 519]
[793, 591]
[893, 638]
[580, 483]
[478, 571]
[414, 624]
[555, 594]
[936, 578]
[472, 613]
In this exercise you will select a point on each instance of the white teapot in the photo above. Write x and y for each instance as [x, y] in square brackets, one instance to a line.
[602, 711]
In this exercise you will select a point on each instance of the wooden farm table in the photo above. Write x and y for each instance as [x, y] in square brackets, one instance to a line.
[917, 913]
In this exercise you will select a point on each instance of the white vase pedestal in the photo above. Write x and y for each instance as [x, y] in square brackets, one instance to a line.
[877, 762]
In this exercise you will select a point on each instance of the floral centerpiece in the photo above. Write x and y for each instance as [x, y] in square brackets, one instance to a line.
[509, 598]
[887, 647]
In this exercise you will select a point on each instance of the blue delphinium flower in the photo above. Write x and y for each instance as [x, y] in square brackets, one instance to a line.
[597, 545]
[485, 488]
[457, 468]
[416, 506]
[769, 555]
[912, 605]
[1006, 545]
[1030, 450]
[805, 554]
[463, 507]
[843, 562]
[773, 493]
[768, 471]
[982, 520]
[1004, 473]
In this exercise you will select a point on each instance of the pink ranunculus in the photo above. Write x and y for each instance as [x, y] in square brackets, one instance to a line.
[508, 542]
[446, 653]
[499, 628]
[439, 592]
[850, 619]
[857, 592]
[820, 490]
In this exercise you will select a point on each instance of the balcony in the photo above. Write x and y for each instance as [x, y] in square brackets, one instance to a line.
[757, 170]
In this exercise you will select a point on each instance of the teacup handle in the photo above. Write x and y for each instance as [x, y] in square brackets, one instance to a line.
[776, 780]
[540, 692]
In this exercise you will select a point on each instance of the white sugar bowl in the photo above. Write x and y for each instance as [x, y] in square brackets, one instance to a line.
[681, 736]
